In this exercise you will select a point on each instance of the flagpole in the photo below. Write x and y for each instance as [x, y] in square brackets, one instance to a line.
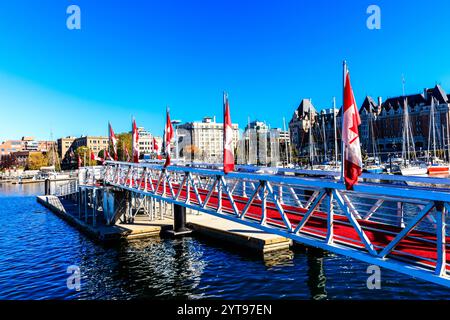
[342, 121]
[224, 128]
[109, 139]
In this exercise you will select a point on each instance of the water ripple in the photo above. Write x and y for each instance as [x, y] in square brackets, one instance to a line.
[36, 248]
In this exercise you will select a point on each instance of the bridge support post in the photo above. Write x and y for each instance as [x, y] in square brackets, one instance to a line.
[330, 217]
[47, 187]
[441, 239]
[179, 221]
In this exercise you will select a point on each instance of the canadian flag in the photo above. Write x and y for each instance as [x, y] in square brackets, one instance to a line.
[113, 140]
[228, 155]
[350, 136]
[155, 146]
[135, 141]
[95, 158]
[108, 156]
[127, 154]
[168, 135]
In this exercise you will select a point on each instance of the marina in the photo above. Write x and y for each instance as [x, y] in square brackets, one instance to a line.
[248, 152]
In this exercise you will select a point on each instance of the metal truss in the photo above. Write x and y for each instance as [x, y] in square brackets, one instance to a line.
[395, 226]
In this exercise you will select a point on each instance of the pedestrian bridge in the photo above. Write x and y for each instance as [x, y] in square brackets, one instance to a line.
[395, 222]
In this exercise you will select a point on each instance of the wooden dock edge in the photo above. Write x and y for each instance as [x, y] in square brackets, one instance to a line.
[219, 232]
[80, 225]
[240, 240]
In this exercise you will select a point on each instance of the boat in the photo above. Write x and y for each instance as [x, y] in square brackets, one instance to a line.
[414, 170]
[436, 165]
[373, 164]
[409, 164]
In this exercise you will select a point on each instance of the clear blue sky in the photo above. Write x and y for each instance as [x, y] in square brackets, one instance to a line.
[135, 57]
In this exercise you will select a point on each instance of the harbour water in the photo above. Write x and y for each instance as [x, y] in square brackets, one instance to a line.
[36, 248]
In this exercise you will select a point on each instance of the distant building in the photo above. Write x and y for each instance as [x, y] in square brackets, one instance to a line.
[145, 141]
[64, 145]
[312, 132]
[30, 144]
[381, 129]
[10, 146]
[203, 141]
[46, 146]
[262, 145]
[94, 143]
[382, 122]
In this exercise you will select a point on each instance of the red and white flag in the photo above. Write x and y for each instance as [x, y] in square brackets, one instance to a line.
[168, 136]
[350, 135]
[135, 141]
[155, 146]
[108, 156]
[228, 155]
[95, 157]
[127, 154]
[113, 141]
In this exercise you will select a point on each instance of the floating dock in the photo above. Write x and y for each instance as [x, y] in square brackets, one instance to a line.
[141, 228]
[235, 234]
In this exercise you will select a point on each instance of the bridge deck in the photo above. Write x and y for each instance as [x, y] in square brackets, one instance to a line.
[418, 247]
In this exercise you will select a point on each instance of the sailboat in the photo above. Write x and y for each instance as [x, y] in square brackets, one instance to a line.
[436, 165]
[327, 164]
[411, 166]
[372, 164]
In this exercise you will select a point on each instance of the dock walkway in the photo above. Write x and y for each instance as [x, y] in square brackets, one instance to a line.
[230, 232]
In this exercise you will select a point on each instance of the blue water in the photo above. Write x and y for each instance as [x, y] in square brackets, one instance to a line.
[36, 248]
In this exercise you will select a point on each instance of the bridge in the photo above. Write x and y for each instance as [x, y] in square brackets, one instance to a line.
[398, 223]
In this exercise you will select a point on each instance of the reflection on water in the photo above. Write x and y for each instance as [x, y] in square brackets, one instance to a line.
[36, 248]
[317, 279]
[278, 258]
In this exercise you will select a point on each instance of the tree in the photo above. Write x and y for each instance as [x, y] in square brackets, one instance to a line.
[192, 151]
[124, 140]
[36, 160]
[85, 154]
[8, 161]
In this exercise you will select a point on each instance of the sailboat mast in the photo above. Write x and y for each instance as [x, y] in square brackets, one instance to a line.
[335, 131]
[408, 146]
[324, 139]
[434, 129]
[286, 141]
[311, 156]
[448, 137]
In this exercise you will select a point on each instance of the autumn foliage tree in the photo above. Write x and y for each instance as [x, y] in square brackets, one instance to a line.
[124, 141]
[37, 160]
[85, 155]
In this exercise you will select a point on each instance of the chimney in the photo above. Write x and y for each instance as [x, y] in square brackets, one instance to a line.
[380, 101]
[425, 93]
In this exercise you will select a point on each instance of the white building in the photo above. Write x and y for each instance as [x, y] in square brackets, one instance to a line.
[203, 141]
[145, 141]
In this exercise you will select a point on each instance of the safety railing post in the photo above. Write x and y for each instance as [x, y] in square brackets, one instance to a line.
[330, 217]
[441, 262]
